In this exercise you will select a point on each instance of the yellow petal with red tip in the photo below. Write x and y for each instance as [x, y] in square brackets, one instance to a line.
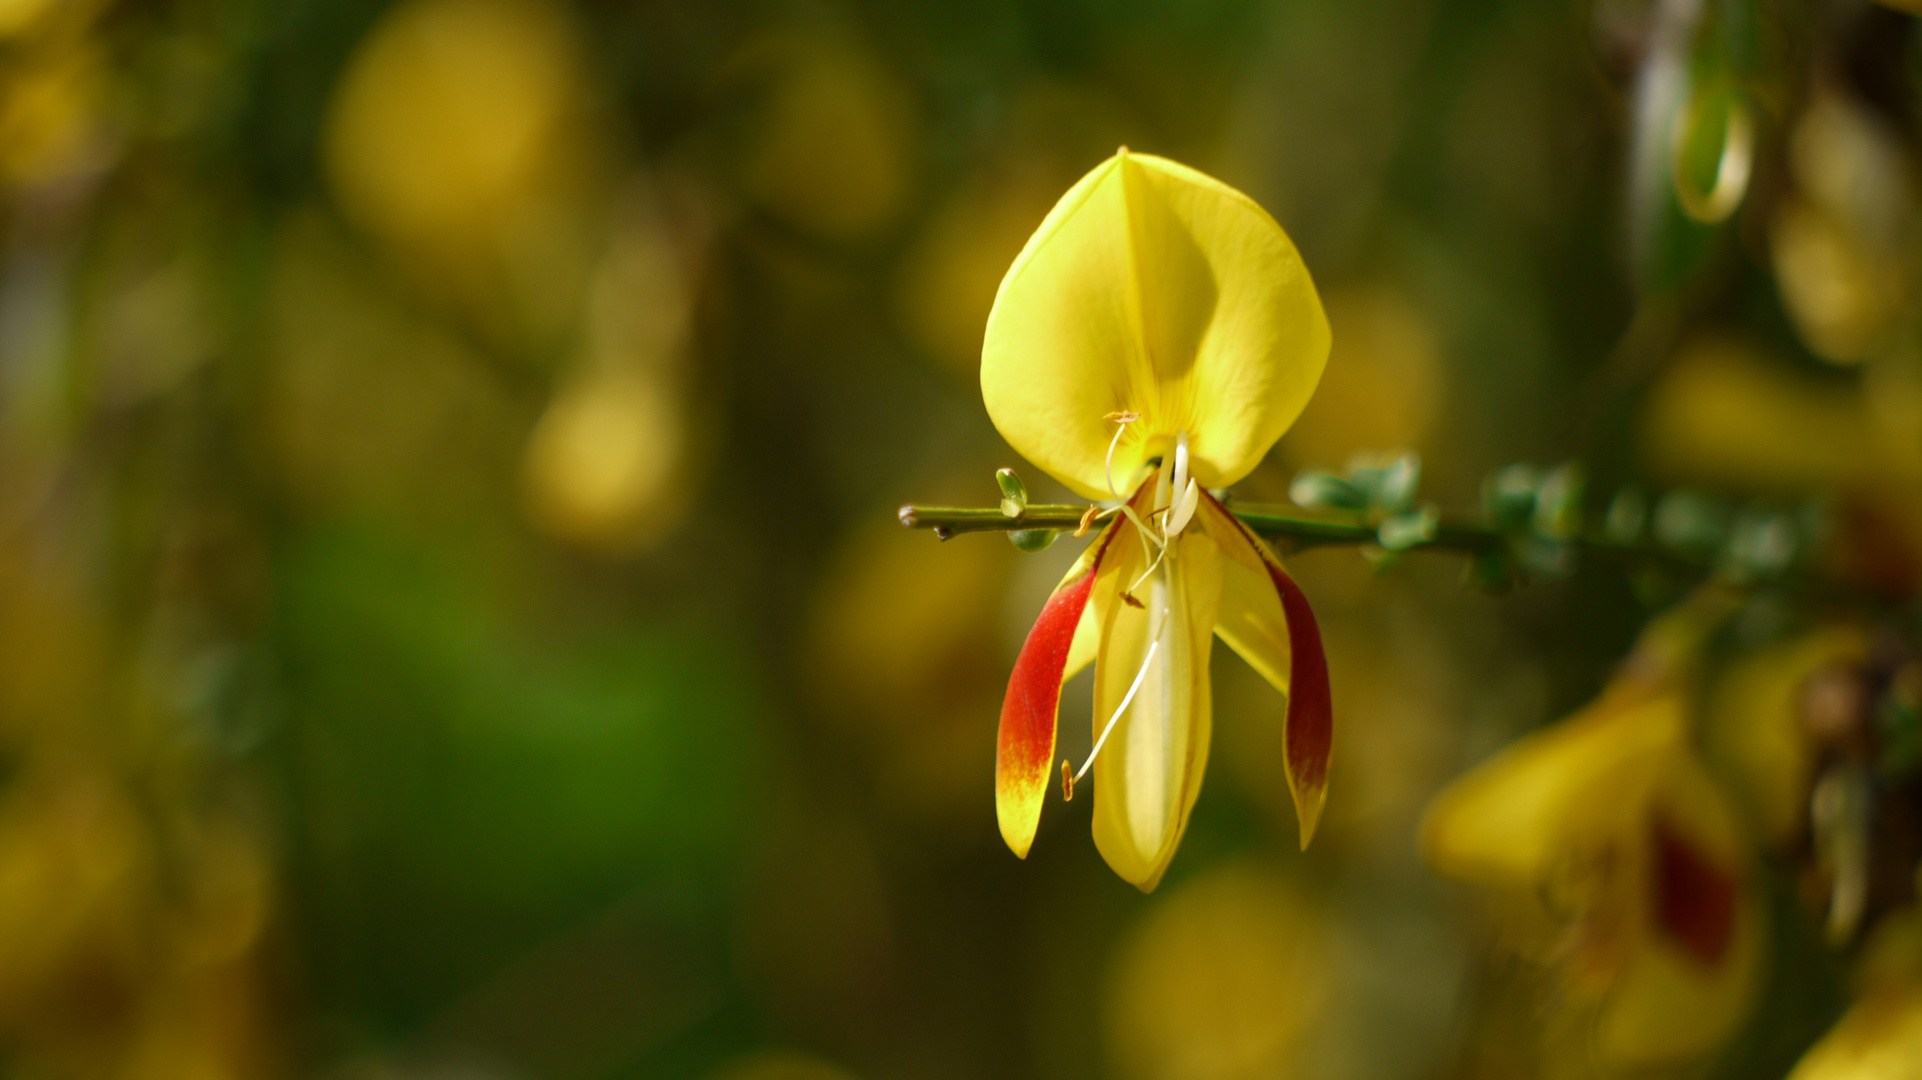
[1155, 290]
[1504, 823]
[1024, 746]
[1263, 615]
[1149, 772]
[1694, 951]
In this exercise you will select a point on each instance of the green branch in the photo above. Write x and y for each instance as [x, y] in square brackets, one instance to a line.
[1295, 531]
[1292, 531]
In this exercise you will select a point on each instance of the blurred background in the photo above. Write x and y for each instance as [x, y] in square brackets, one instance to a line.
[452, 617]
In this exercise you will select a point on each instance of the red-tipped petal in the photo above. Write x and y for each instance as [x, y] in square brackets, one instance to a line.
[1310, 738]
[1694, 899]
[1268, 639]
[1024, 751]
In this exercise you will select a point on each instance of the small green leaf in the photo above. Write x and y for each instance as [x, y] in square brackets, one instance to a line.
[1691, 522]
[1627, 515]
[1315, 489]
[1033, 539]
[1403, 531]
[1558, 502]
[1014, 494]
[1387, 481]
[1508, 497]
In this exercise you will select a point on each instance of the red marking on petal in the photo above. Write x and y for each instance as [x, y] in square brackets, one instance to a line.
[1694, 898]
[1024, 750]
[1311, 708]
[1309, 728]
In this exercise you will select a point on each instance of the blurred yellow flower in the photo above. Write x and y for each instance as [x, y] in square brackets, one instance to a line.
[1218, 982]
[1622, 865]
[1760, 715]
[459, 135]
[50, 116]
[1156, 336]
[1385, 385]
[1724, 413]
[831, 148]
[901, 647]
[608, 465]
[1840, 243]
[19, 15]
[1880, 1038]
[449, 113]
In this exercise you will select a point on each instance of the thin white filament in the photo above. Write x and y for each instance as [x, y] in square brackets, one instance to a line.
[1108, 465]
[1126, 700]
[1184, 509]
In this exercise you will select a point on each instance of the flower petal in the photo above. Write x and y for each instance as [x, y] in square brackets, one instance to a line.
[1693, 967]
[1505, 822]
[1024, 749]
[1154, 658]
[1152, 289]
[1263, 613]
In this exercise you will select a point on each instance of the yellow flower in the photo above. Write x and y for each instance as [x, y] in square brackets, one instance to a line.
[1880, 1038]
[1155, 337]
[1623, 864]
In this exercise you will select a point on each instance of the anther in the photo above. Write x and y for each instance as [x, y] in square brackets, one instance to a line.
[1122, 416]
[1067, 781]
[1132, 602]
[1087, 521]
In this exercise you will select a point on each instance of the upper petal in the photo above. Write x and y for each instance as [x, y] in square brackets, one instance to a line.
[1153, 289]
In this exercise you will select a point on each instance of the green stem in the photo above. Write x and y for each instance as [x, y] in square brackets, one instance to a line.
[1293, 532]
[1297, 531]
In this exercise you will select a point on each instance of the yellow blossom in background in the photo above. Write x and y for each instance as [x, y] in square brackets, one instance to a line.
[1156, 336]
[1385, 385]
[1764, 718]
[1880, 1038]
[952, 268]
[458, 135]
[1724, 412]
[51, 123]
[609, 464]
[1218, 981]
[948, 283]
[829, 145]
[1620, 865]
[450, 114]
[902, 650]
[19, 15]
[1840, 244]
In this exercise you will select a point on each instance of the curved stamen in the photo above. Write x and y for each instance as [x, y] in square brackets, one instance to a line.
[1124, 418]
[1123, 707]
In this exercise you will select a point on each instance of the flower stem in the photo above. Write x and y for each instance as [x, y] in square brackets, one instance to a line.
[1292, 532]
[1296, 531]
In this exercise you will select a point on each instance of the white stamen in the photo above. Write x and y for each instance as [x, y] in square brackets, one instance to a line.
[1126, 700]
[1184, 510]
[1181, 463]
[1124, 419]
